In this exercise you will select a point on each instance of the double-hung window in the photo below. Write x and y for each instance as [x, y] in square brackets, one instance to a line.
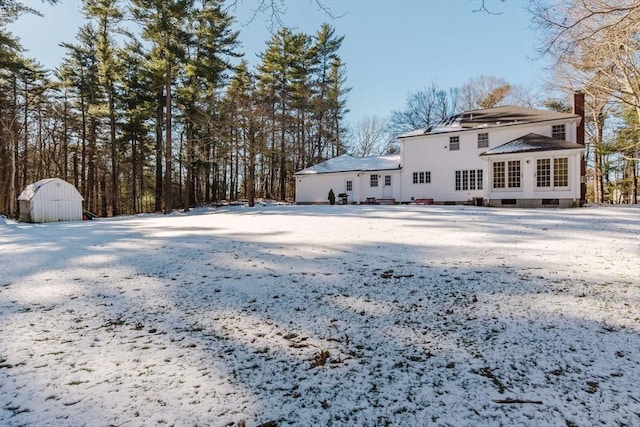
[483, 140]
[373, 181]
[558, 132]
[454, 143]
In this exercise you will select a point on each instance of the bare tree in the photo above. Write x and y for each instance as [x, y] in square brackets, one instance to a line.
[424, 108]
[371, 138]
[596, 43]
[598, 40]
[484, 92]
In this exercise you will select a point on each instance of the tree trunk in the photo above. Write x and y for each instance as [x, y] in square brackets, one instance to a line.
[114, 153]
[159, 122]
[168, 156]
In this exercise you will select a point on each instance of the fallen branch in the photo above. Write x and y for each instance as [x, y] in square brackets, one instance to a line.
[510, 400]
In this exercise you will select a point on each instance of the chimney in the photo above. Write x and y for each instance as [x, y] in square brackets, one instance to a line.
[578, 108]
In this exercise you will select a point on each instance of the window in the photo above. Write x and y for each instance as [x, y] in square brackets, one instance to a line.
[374, 180]
[498, 175]
[454, 143]
[511, 173]
[543, 173]
[558, 169]
[483, 140]
[513, 170]
[387, 180]
[558, 132]
[561, 172]
[468, 180]
[422, 177]
[349, 185]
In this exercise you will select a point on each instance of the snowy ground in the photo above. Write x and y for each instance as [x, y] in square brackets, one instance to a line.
[332, 315]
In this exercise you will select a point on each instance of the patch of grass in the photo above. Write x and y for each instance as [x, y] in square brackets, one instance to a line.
[320, 359]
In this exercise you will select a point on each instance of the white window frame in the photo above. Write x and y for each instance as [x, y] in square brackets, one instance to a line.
[483, 140]
[422, 177]
[468, 180]
[559, 132]
[557, 171]
[454, 143]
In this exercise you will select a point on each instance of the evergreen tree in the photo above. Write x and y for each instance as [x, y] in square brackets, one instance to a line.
[164, 23]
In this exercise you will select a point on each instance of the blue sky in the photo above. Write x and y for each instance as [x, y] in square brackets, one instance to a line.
[391, 47]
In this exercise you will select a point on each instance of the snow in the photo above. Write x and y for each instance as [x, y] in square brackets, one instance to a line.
[533, 142]
[347, 163]
[30, 190]
[323, 315]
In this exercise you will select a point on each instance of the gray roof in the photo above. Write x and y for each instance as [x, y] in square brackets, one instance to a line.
[531, 143]
[347, 163]
[491, 117]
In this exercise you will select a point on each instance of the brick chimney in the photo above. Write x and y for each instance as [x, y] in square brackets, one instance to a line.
[578, 109]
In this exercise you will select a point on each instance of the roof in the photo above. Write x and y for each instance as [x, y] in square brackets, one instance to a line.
[491, 117]
[31, 190]
[347, 163]
[531, 143]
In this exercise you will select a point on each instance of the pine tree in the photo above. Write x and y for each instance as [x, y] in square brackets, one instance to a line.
[163, 23]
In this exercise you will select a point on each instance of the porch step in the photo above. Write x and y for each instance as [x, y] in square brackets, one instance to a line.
[386, 201]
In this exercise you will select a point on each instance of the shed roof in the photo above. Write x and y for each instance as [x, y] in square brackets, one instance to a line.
[490, 117]
[347, 163]
[32, 190]
[533, 142]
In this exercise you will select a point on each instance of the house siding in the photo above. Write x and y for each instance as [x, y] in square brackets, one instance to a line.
[431, 153]
[314, 188]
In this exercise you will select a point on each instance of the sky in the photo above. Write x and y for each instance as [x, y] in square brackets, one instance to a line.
[391, 47]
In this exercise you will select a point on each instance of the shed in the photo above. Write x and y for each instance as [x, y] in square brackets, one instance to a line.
[50, 200]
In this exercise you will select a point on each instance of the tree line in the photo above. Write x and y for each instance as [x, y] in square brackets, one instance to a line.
[152, 108]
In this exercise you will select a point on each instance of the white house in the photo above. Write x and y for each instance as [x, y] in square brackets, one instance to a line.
[359, 178]
[504, 156]
[50, 200]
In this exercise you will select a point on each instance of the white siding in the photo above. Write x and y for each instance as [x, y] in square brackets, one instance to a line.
[314, 188]
[528, 189]
[431, 153]
[51, 200]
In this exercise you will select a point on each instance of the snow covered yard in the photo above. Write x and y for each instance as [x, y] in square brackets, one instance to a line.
[325, 315]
